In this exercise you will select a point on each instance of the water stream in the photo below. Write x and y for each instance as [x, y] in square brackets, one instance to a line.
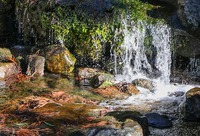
[147, 55]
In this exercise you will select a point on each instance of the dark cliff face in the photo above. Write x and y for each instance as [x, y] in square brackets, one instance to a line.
[7, 23]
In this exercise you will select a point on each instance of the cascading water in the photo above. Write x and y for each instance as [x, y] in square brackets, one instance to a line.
[136, 61]
[147, 55]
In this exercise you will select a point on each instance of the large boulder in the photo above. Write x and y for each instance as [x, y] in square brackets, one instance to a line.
[35, 65]
[59, 60]
[192, 105]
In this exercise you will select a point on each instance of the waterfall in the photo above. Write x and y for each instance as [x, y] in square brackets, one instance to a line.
[146, 52]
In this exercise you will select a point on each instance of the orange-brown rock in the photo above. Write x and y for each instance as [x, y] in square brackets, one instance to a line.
[119, 90]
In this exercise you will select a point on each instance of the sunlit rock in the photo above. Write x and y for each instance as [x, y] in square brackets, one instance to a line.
[8, 69]
[93, 77]
[35, 65]
[84, 73]
[5, 55]
[158, 121]
[192, 105]
[132, 117]
[109, 92]
[127, 88]
[59, 60]
[145, 83]
[120, 90]
[129, 128]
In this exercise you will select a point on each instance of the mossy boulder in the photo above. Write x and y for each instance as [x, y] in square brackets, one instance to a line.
[5, 55]
[59, 60]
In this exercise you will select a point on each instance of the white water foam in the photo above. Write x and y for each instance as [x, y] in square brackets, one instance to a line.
[135, 60]
[136, 63]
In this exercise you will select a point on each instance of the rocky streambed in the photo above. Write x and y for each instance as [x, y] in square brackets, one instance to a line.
[47, 98]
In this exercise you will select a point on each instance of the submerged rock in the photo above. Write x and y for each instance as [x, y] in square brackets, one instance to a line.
[59, 60]
[35, 65]
[192, 105]
[158, 121]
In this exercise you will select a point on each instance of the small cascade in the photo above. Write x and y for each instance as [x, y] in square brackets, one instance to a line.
[146, 52]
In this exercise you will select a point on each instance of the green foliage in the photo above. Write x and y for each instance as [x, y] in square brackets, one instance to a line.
[83, 29]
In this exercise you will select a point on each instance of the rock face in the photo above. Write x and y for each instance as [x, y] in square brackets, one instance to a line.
[192, 105]
[158, 121]
[189, 12]
[59, 60]
[35, 65]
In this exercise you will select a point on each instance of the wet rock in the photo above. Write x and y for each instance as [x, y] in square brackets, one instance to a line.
[70, 113]
[109, 92]
[134, 116]
[145, 83]
[176, 94]
[130, 128]
[8, 69]
[98, 79]
[93, 77]
[84, 73]
[127, 88]
[35, 65]
[120, 90]
[5, 55]
[158, 121]
[59, 60]
[192, 105]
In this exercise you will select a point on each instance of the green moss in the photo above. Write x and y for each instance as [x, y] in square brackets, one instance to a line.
[84, 30]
